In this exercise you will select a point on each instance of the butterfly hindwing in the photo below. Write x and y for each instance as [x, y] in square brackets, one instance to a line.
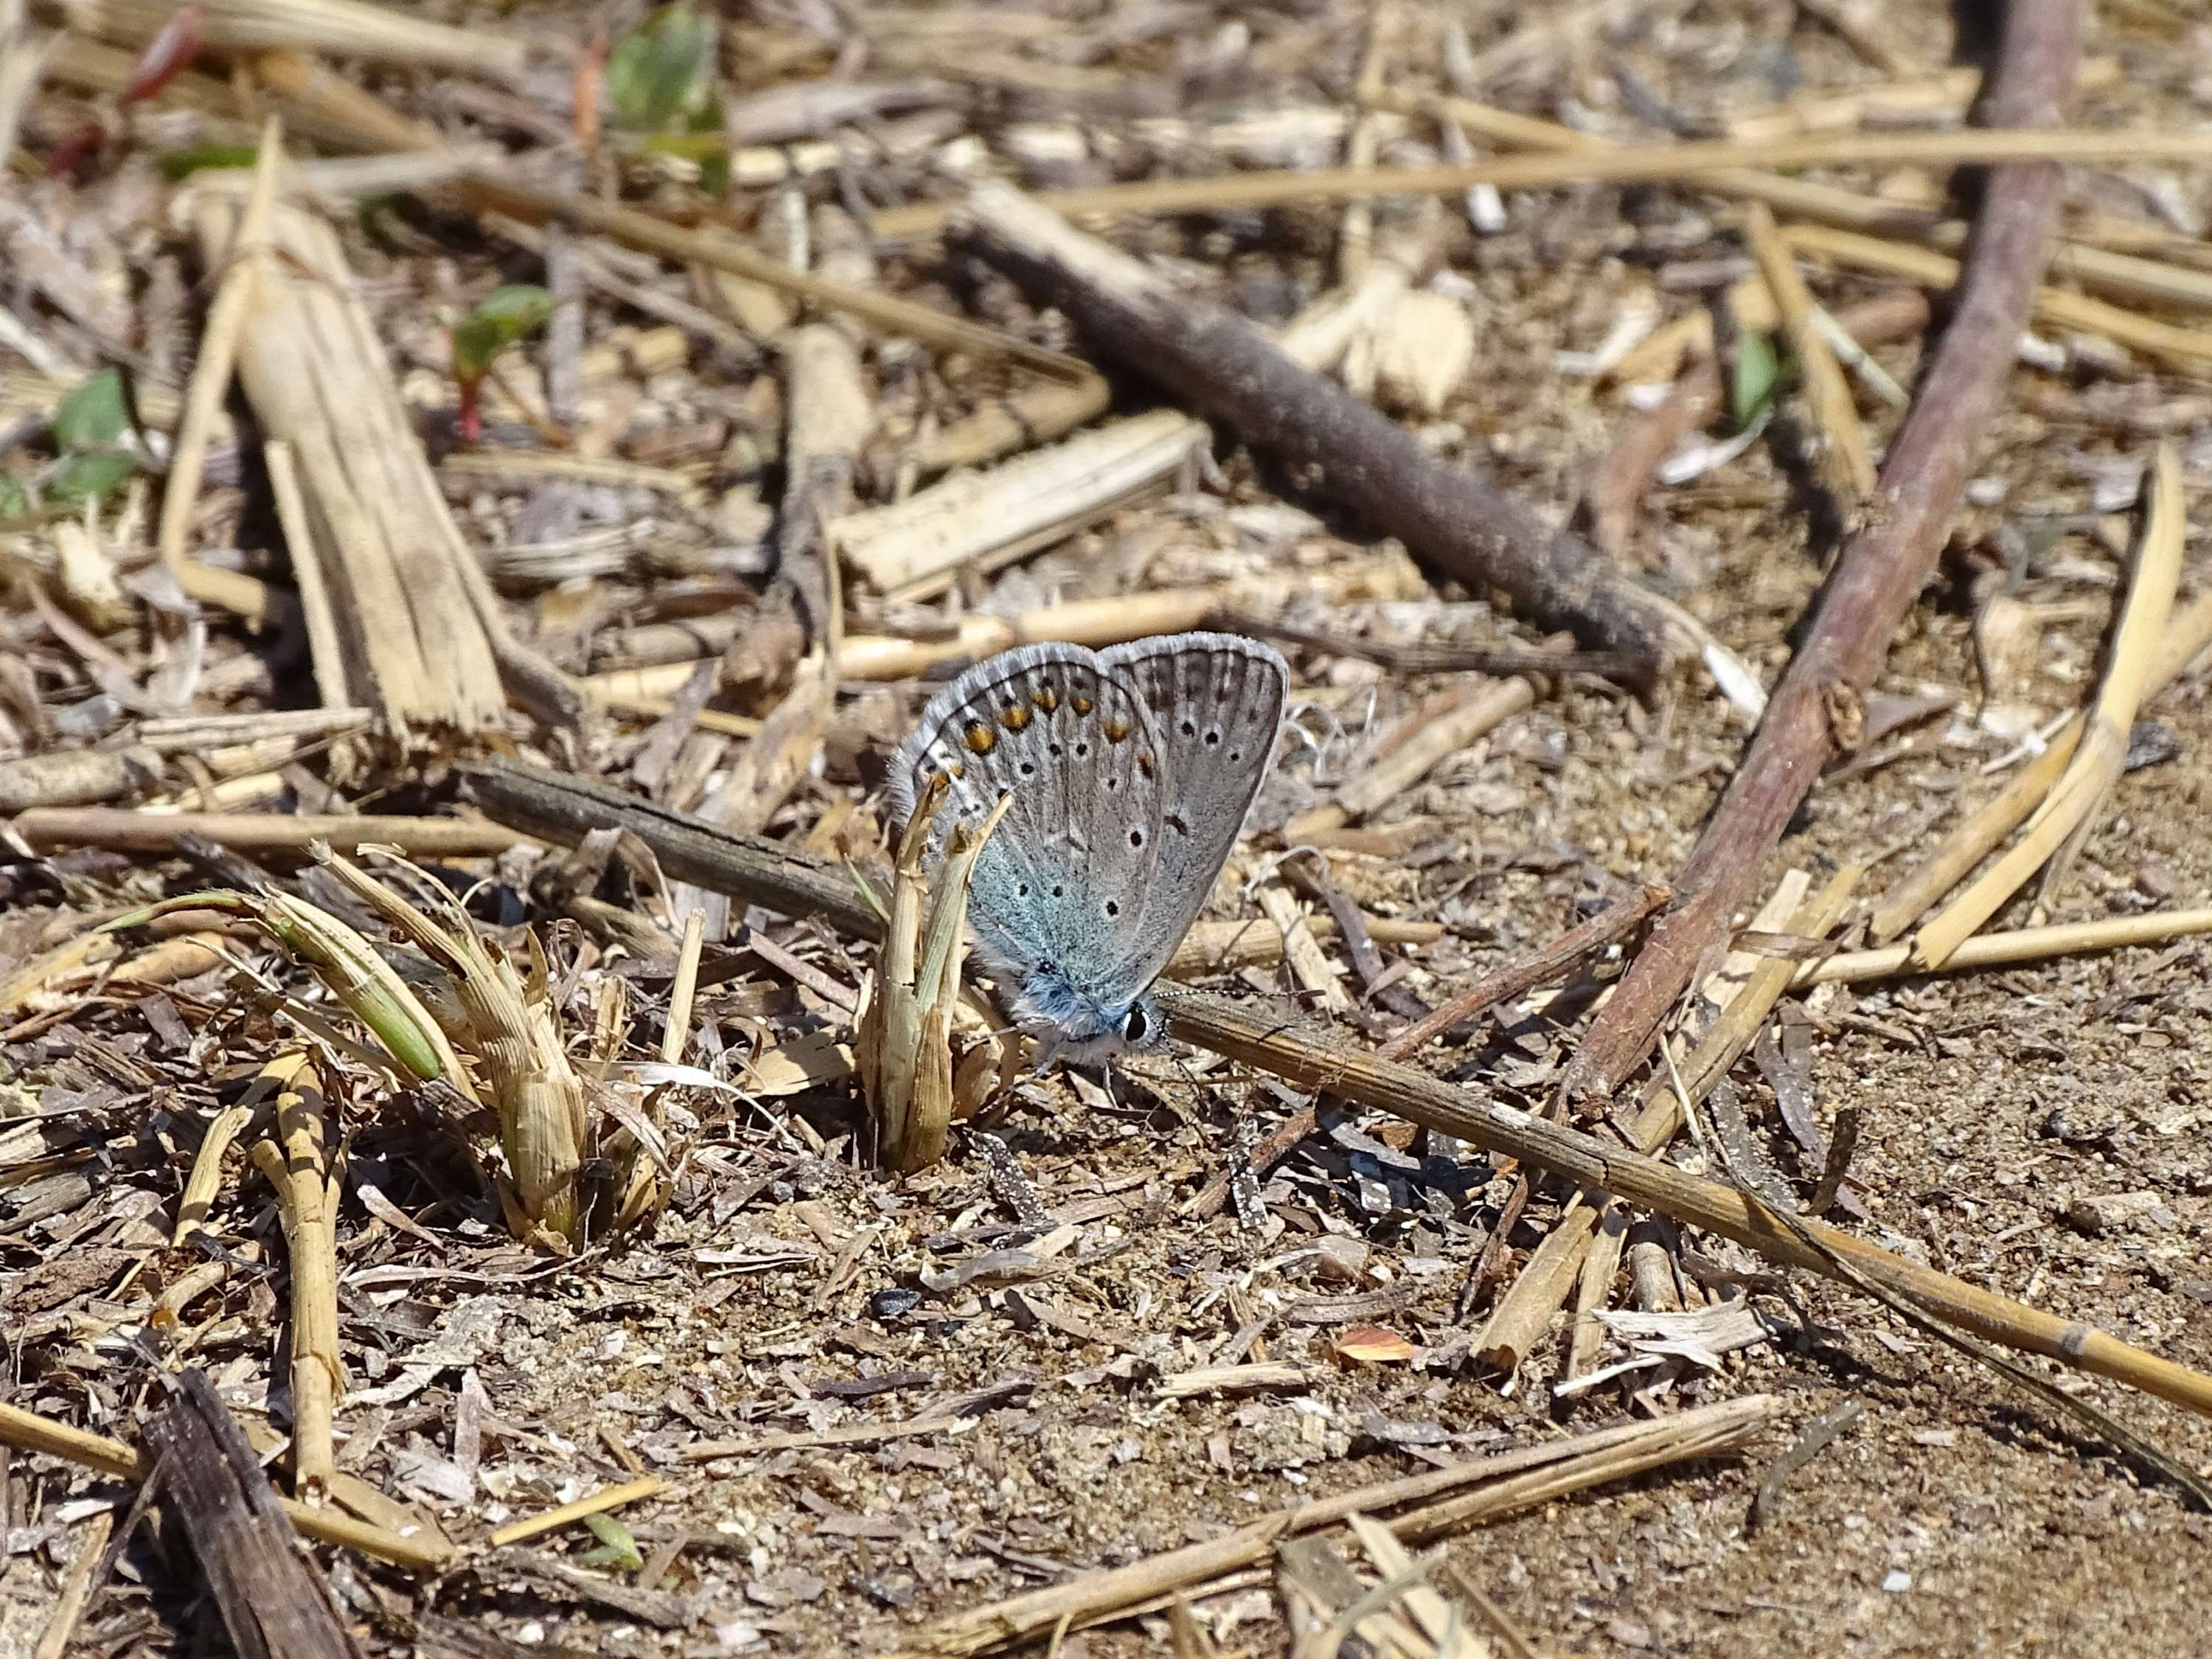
[1216, 700]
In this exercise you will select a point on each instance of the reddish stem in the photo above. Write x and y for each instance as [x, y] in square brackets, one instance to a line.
[1816, 711]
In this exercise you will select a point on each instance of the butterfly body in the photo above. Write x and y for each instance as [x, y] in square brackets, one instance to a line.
[1130, 771]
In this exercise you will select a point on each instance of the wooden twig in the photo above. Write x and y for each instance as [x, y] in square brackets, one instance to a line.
[297, 1165]
[1533, 968]
[273, 1602]
[1509, 1480]
[1654, 163]
[2100, 756]
[1844, 460]
[1816, 711]
[566, 808]
[1220, 365]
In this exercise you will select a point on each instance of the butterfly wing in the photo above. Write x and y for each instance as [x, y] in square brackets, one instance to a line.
[1059, 885]
[1216, 700]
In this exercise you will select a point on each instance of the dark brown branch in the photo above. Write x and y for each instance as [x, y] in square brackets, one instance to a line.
[273, 1602]
[1816, 711]
[1219, 365]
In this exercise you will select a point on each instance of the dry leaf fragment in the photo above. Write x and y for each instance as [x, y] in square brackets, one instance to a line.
[1375, 1344]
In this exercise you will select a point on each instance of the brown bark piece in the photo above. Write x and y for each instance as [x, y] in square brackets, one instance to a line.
[273, 1602]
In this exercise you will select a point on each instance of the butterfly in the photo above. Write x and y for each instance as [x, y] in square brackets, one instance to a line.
[1131, 770]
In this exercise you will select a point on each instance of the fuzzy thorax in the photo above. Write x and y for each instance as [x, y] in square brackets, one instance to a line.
[1073, 1026]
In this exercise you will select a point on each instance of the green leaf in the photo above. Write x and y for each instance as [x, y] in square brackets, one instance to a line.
[1758, 374]
[200, 158]
[617, 1545]
[662, 68]
[93, 415]
[15, 500]
[82, 478]
[500, 319]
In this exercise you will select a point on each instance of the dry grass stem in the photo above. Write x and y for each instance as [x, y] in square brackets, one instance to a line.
[598, 1502]
[1747, 994]
[2009, 948]
[1844, 459]
[340, 28]
[250, 832]
[2188, 632]
[2100, 755]
[28, 1431]
[1510, 1480]
[297, 1162]
[1684, 162]
[2189, 350]
[245, 267]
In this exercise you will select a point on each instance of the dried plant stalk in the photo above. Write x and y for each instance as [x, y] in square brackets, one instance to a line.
[297, 1163]
[525, 1076]
[28, 1431]
[2100, 755]
[1510, 1480]
[1524, 1311]
[206, 1177]
[1688, 163]
[2187, 634]
[245, 273]
[1844, 459]
[2186, 349]
[904, 1036]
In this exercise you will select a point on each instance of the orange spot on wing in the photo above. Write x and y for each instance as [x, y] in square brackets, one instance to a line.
[981, 738]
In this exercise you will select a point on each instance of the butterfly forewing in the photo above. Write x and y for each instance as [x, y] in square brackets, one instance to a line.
[1216, 700]
[1061, 880]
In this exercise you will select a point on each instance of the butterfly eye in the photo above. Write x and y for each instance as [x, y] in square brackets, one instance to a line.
[1134, 1026]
